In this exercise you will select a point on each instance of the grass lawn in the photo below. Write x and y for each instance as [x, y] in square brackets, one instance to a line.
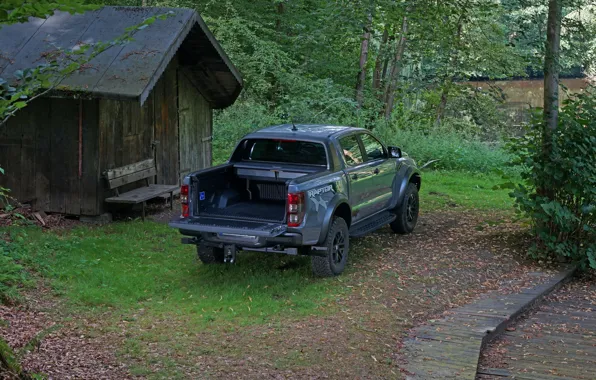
[129, 265]
[460, 189]
[167, 315]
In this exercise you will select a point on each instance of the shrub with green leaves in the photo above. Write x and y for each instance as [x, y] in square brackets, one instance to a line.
[452, 150]
[559, 189]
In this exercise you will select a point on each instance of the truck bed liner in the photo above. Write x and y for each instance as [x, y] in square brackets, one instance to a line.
[250, 210]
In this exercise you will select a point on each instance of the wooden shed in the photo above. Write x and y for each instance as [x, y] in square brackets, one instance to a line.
[149, 99]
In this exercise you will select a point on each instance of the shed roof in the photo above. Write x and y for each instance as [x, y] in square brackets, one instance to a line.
[127, 71]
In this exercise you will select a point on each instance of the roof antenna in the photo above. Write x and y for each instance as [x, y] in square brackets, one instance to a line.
[294, 129]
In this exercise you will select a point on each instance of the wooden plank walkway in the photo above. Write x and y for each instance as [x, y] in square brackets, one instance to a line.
[557, 341]
[449, 348]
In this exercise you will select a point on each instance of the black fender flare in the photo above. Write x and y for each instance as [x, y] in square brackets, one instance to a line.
[399, 187]
[336, 201]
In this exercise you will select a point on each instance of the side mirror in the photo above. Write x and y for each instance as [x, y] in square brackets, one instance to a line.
[394, 152]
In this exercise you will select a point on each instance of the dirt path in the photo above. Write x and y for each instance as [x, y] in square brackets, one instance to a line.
[392, 284]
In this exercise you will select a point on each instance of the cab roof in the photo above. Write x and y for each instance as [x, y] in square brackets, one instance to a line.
[302, 131]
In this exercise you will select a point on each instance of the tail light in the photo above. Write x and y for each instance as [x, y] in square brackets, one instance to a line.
[184, 201]
[295, 209]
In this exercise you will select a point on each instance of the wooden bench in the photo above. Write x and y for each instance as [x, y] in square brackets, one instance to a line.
[135, 172]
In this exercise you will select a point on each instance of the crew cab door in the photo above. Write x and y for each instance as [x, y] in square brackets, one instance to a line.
[383, 170]
[360, 177]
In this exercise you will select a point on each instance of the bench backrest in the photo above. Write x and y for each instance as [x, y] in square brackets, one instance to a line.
[130, 173]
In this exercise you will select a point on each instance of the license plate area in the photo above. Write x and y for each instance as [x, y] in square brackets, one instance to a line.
[230, 253]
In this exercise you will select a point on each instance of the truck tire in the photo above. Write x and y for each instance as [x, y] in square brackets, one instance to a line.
[337, 243]
[210, 255]
[407, 211]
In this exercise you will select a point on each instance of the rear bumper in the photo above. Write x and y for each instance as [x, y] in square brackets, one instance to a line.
[244, 238]
[249, 241]
[195, 230]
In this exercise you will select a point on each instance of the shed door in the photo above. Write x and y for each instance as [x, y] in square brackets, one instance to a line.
[195, 118]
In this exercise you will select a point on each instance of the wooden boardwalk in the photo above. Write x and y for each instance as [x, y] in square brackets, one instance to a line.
[449, 348]
[557, 341]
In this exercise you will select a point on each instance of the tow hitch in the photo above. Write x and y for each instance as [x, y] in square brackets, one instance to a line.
[230, 254]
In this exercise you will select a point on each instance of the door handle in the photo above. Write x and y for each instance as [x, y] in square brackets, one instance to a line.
[354, 176]
[376, 171]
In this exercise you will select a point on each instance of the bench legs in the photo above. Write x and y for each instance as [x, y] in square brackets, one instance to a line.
[171, 200]
[143, 217]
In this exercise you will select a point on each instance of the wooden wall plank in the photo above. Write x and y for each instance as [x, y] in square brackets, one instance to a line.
[43, 163]
[118, 119]
[64, 181]
[186, 118]
[105, 159]
[208, 161]
[127, 137]
[134, 143]
[159, 125]
[171, 93]
[27, 172]
[146, 131]
[195, 125]
[90, 178]
[10, 155]
[166, 126]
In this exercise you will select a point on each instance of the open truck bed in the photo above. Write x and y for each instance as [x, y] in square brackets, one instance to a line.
[257, 210]
[245, 191]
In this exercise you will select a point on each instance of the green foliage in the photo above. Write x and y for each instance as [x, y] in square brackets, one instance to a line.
[559, 189]
[12, 274]
[9, 365]
[15, 11]
[3, 190]
[453, 150]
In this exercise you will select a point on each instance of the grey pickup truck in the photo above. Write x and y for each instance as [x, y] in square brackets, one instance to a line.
[299, 189]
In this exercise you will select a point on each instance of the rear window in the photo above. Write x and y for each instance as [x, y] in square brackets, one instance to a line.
[288, 151]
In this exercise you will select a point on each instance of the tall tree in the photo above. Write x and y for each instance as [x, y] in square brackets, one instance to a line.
[361, 79]
[396, 66]
[552, 67]
[551, 84]
[380, 62]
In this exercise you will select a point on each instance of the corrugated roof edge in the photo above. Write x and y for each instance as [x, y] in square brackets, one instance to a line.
[194, 18]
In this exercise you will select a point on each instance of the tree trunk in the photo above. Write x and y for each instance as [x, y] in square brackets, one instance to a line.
[551, 84]
[379, 61]
[443, 103]
[452, 62]
[363, 58]
[280, 12]
[395, 70]
[143, 3]
[551, 66]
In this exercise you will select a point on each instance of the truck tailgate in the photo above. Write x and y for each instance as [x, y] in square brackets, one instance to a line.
[229, 227]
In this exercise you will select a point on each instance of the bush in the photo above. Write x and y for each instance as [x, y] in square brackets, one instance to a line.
[559, 189]
[453, 150]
